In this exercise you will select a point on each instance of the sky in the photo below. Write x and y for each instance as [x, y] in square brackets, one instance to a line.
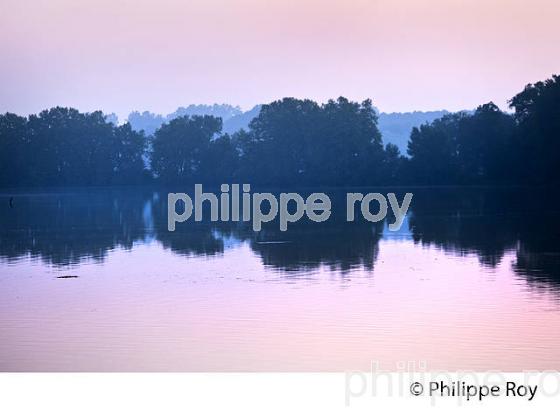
[124, 55]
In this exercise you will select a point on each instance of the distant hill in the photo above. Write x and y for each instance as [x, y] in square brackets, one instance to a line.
[241, 121]
[225, 111]
[395, 127]
[145, 121]
[149, 122]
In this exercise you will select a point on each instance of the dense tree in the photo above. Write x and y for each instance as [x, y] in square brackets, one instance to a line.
[14, 150]
[301, 142]
[537, 114]
[180, 148]
[433, 151]
[291, 142]
[463, 148]
[393, 164]
[485, 146]
[62, 146]
[274, 149]
[70, 147]
[220, 161]
[128, 150]
[350, 144]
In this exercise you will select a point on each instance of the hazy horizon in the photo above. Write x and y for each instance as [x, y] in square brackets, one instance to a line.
[125, 56]
[166, 115]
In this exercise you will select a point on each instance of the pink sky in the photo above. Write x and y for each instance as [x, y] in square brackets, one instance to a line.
[123, 55]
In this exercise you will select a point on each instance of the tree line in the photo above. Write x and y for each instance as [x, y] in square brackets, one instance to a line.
[62, 146]
[291, 142]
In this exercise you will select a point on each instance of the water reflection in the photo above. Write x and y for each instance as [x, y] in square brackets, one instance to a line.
[491, 222]
[538, 261]
[64, 228]
[93, 281]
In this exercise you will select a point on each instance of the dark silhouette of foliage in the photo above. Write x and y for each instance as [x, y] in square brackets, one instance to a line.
[181, 147]
[301, 142]
[537, 115]
[433, 151]
[290, 142]
[62, 146]
[14, 150]
[463, 148]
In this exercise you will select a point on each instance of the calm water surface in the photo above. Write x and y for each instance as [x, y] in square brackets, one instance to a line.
[91, 280]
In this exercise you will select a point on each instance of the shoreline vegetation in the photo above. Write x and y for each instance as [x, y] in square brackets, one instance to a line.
[291, 143]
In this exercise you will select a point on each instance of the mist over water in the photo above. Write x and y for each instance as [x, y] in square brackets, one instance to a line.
[93, 280]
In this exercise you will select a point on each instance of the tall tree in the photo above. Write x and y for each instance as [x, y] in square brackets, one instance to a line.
[14, 150]
[463, 148]
[301, 142]
[62, 146]
[180, 147]
[485, 146]
[433, 151]
[127, 154]
[537, 113]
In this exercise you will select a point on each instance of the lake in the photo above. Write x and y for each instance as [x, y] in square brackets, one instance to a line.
[92, 280]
